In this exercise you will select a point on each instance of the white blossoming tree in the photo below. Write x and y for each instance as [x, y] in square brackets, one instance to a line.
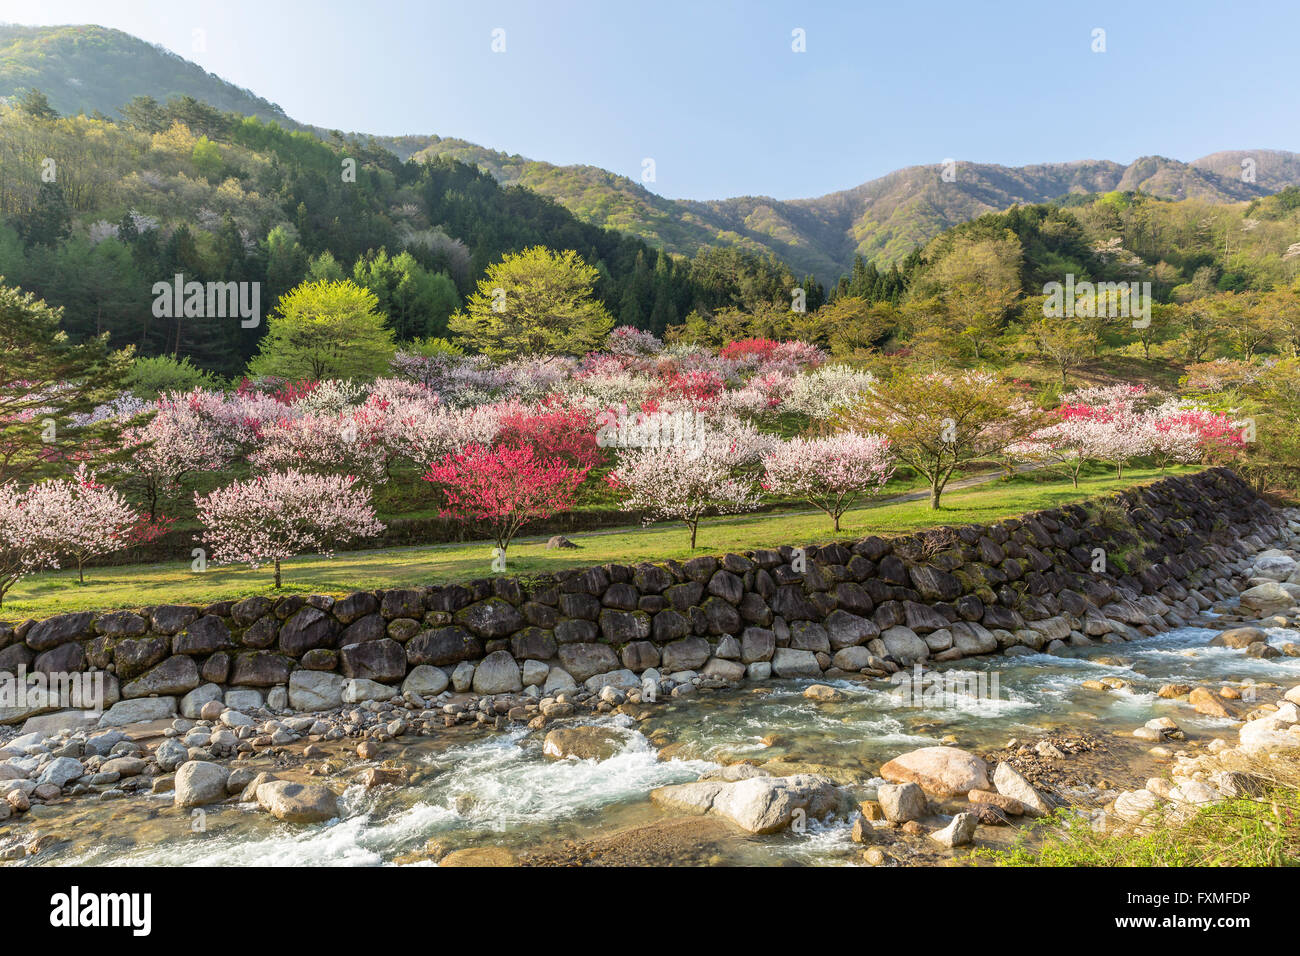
[28, 531]
[708, 471]
[829, 473]
[282, 514]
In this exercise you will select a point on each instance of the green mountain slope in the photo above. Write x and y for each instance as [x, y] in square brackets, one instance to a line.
[89, 68]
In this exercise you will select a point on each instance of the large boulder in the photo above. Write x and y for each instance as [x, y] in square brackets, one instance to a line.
[59, 629]
[758, 804]
[903, 645]
[313, 691]
[176, 675]
[310, 627]
[902, 802]
[206, 635]
[1274, 565]
[138, 711]
[358, 690]
[192, 703]
[1010, 783]
[133, 657]
[1279, 730]
[790, 663]
[425, 680]
[382, 660]
[849, 630]
[298, 802]
[1263, 598]
[498, 673]
[940, 771]
[582, 743]
[1239, 637]
[200, 782]
[587, 660]
[494, 617]
[260, 669]
[688, 654]
[443, 646]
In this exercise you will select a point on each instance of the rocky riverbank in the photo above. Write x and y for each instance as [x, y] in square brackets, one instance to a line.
[291, 748]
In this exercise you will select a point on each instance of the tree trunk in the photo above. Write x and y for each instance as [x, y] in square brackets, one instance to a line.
[935, 492]
[694, 526]
[277, 574]
[81, 577]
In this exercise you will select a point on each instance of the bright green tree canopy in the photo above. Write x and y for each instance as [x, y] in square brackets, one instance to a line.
[325, 330]
[534, 302]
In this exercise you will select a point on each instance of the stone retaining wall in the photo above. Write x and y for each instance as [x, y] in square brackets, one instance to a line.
[873, 606]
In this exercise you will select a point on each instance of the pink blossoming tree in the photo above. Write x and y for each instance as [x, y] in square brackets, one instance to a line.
[28, 531]
[830, 473]
[282, 514]
[89, 519]
[684, 481]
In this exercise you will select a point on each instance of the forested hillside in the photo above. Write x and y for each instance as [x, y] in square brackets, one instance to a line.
[94, 212]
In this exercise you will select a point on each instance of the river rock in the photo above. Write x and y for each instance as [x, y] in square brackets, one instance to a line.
[1267, 598]
[902, 802]
[1208, 703]
[942, 771]
[1008, 805]
[558, 680]
[462, 677]
[61, 771]
[498, 673]
[357, 691]
[1276, 731]
[298, 802]
[200, 782]
[534, 673]
[315, 691]
[1010, 783]
[192, 703]
[1239, 637]
[622, 679]
[788, 663]
[822, 693]
[138, 710]
[769, 804]
[693, 798]
[170, 754]
[1134, 806]
[959, 832]
[424, 680]
[582, 743]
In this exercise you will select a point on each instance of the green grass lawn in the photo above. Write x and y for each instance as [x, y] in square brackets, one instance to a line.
[174, 583]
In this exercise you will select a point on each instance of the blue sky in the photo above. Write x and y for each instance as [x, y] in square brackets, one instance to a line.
[714, 94]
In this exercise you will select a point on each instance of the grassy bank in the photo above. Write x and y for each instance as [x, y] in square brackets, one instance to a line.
[175, 583]
[1258, 830]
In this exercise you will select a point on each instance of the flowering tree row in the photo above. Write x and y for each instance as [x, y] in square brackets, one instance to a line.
[505, 444]
[1117, 424]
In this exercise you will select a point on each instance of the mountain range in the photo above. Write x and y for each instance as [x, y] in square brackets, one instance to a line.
[91, 68]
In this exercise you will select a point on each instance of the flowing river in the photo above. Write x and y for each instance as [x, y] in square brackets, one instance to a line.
[472, 790]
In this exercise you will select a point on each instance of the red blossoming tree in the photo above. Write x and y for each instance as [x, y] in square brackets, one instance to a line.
[504, 486]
